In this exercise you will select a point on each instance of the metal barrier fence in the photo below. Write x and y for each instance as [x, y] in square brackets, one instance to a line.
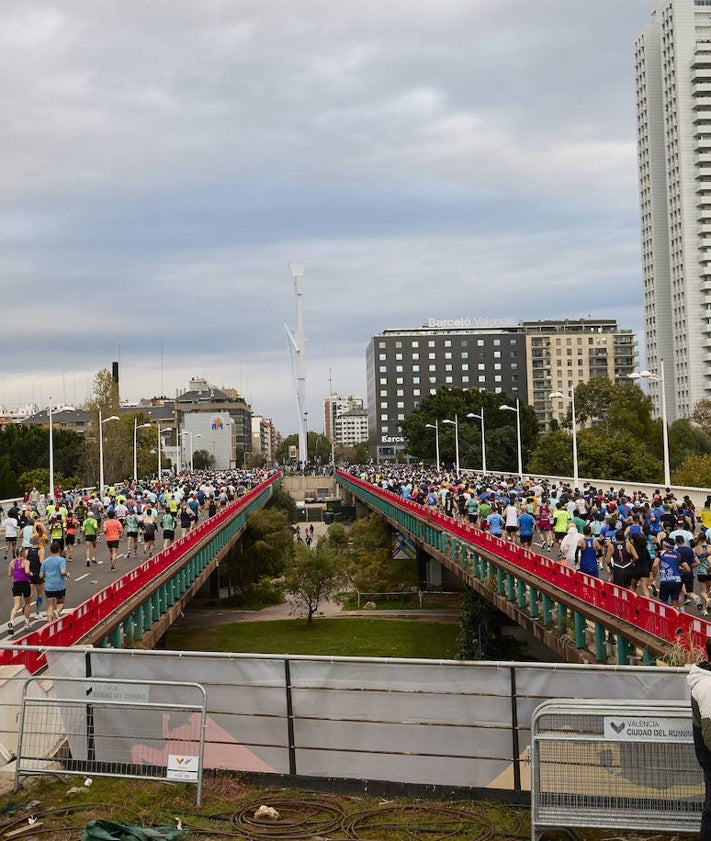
[614, 764]
[153, 730]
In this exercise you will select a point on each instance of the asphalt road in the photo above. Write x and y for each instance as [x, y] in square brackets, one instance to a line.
[82, 582]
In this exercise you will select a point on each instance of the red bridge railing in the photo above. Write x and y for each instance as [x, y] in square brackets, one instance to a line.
[660, 620]
[77, 623]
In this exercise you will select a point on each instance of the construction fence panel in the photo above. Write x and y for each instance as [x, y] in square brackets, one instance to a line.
[150, 729]
[625, 764]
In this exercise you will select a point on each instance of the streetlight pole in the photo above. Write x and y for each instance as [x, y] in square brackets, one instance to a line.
[136, 427]
[435, 426]
[199, 435]
[101, 450]
[483, 438]
[51, 454]
[659, 378]
[558, 395]
[160, 447]
[455, 424]
[517, 409]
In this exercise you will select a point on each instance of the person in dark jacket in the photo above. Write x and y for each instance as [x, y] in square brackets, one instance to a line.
[699, 680]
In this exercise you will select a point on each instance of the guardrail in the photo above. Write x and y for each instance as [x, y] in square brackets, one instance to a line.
[77, 622]
[657, 619]
[614, 764]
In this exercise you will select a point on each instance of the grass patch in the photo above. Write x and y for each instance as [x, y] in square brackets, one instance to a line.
[361, 637]
[228, 807]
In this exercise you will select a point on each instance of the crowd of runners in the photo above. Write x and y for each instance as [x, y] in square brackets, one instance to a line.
[41, 534]
[657, 545]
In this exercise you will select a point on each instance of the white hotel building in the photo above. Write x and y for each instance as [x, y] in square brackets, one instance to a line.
[673, 83]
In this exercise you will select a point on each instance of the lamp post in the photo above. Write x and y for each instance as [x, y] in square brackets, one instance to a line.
[483, 438]
[136, 427]
[198, 435]
[659, 378]
[101, 450]
[51, 454]
[455, 424]
[160, 447]
[435, 426]
[558, 395]
[517, 409]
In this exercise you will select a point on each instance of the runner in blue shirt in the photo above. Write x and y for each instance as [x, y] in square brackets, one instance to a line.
[525, 528]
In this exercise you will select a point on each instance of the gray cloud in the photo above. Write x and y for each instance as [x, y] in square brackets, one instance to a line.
[163, 161]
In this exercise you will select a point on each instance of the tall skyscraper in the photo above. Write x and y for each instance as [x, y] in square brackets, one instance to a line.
[673, 81]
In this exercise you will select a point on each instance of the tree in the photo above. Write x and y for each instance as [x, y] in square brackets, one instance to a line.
[693, 472]
[9, 486]
[358, 454]
[553, 455]
[702, 415]
[266, 548]
[313, 575]
[592, 401]
[318, 446]
[371, 565]
[202, 460]
[501, 438]
[480, 636]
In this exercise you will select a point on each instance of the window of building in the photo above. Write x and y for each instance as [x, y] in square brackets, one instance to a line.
[415, 392]
[448, 343]
[384, 404]
[398, 357]
[383, 369]
[464, 343]
[430, 343]
[415, 343]
[433, 380]
[480, 343]
[400, 404]
[431, 367]
[401, 417]
[497, 366]
[465, 354]
[497, 378]
[383, 392]
[432, 356]
[383, 381]
[398, 344]
[415, 355]
[448, 380]
[497, 342]
[448, 368]
[398, 381]
[481, 366]
[433, 391]
[482, 379]
[400, 393]
[448, 355]
[399, 369]
[416, 380]
[383, 417]
[465, 366]
[415, 368]
[382, 357]
[497, 354]
[465, 378]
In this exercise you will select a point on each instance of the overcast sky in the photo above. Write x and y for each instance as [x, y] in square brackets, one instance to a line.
[163, 161]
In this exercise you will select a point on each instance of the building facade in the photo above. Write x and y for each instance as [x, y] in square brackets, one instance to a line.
[333, 407]
[529, 360]
[204, 399]
[351, 428]
[404, 366]
[673, 87]
[562, 354]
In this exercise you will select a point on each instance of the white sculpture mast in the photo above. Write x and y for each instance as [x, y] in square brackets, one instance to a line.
[297, 345]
